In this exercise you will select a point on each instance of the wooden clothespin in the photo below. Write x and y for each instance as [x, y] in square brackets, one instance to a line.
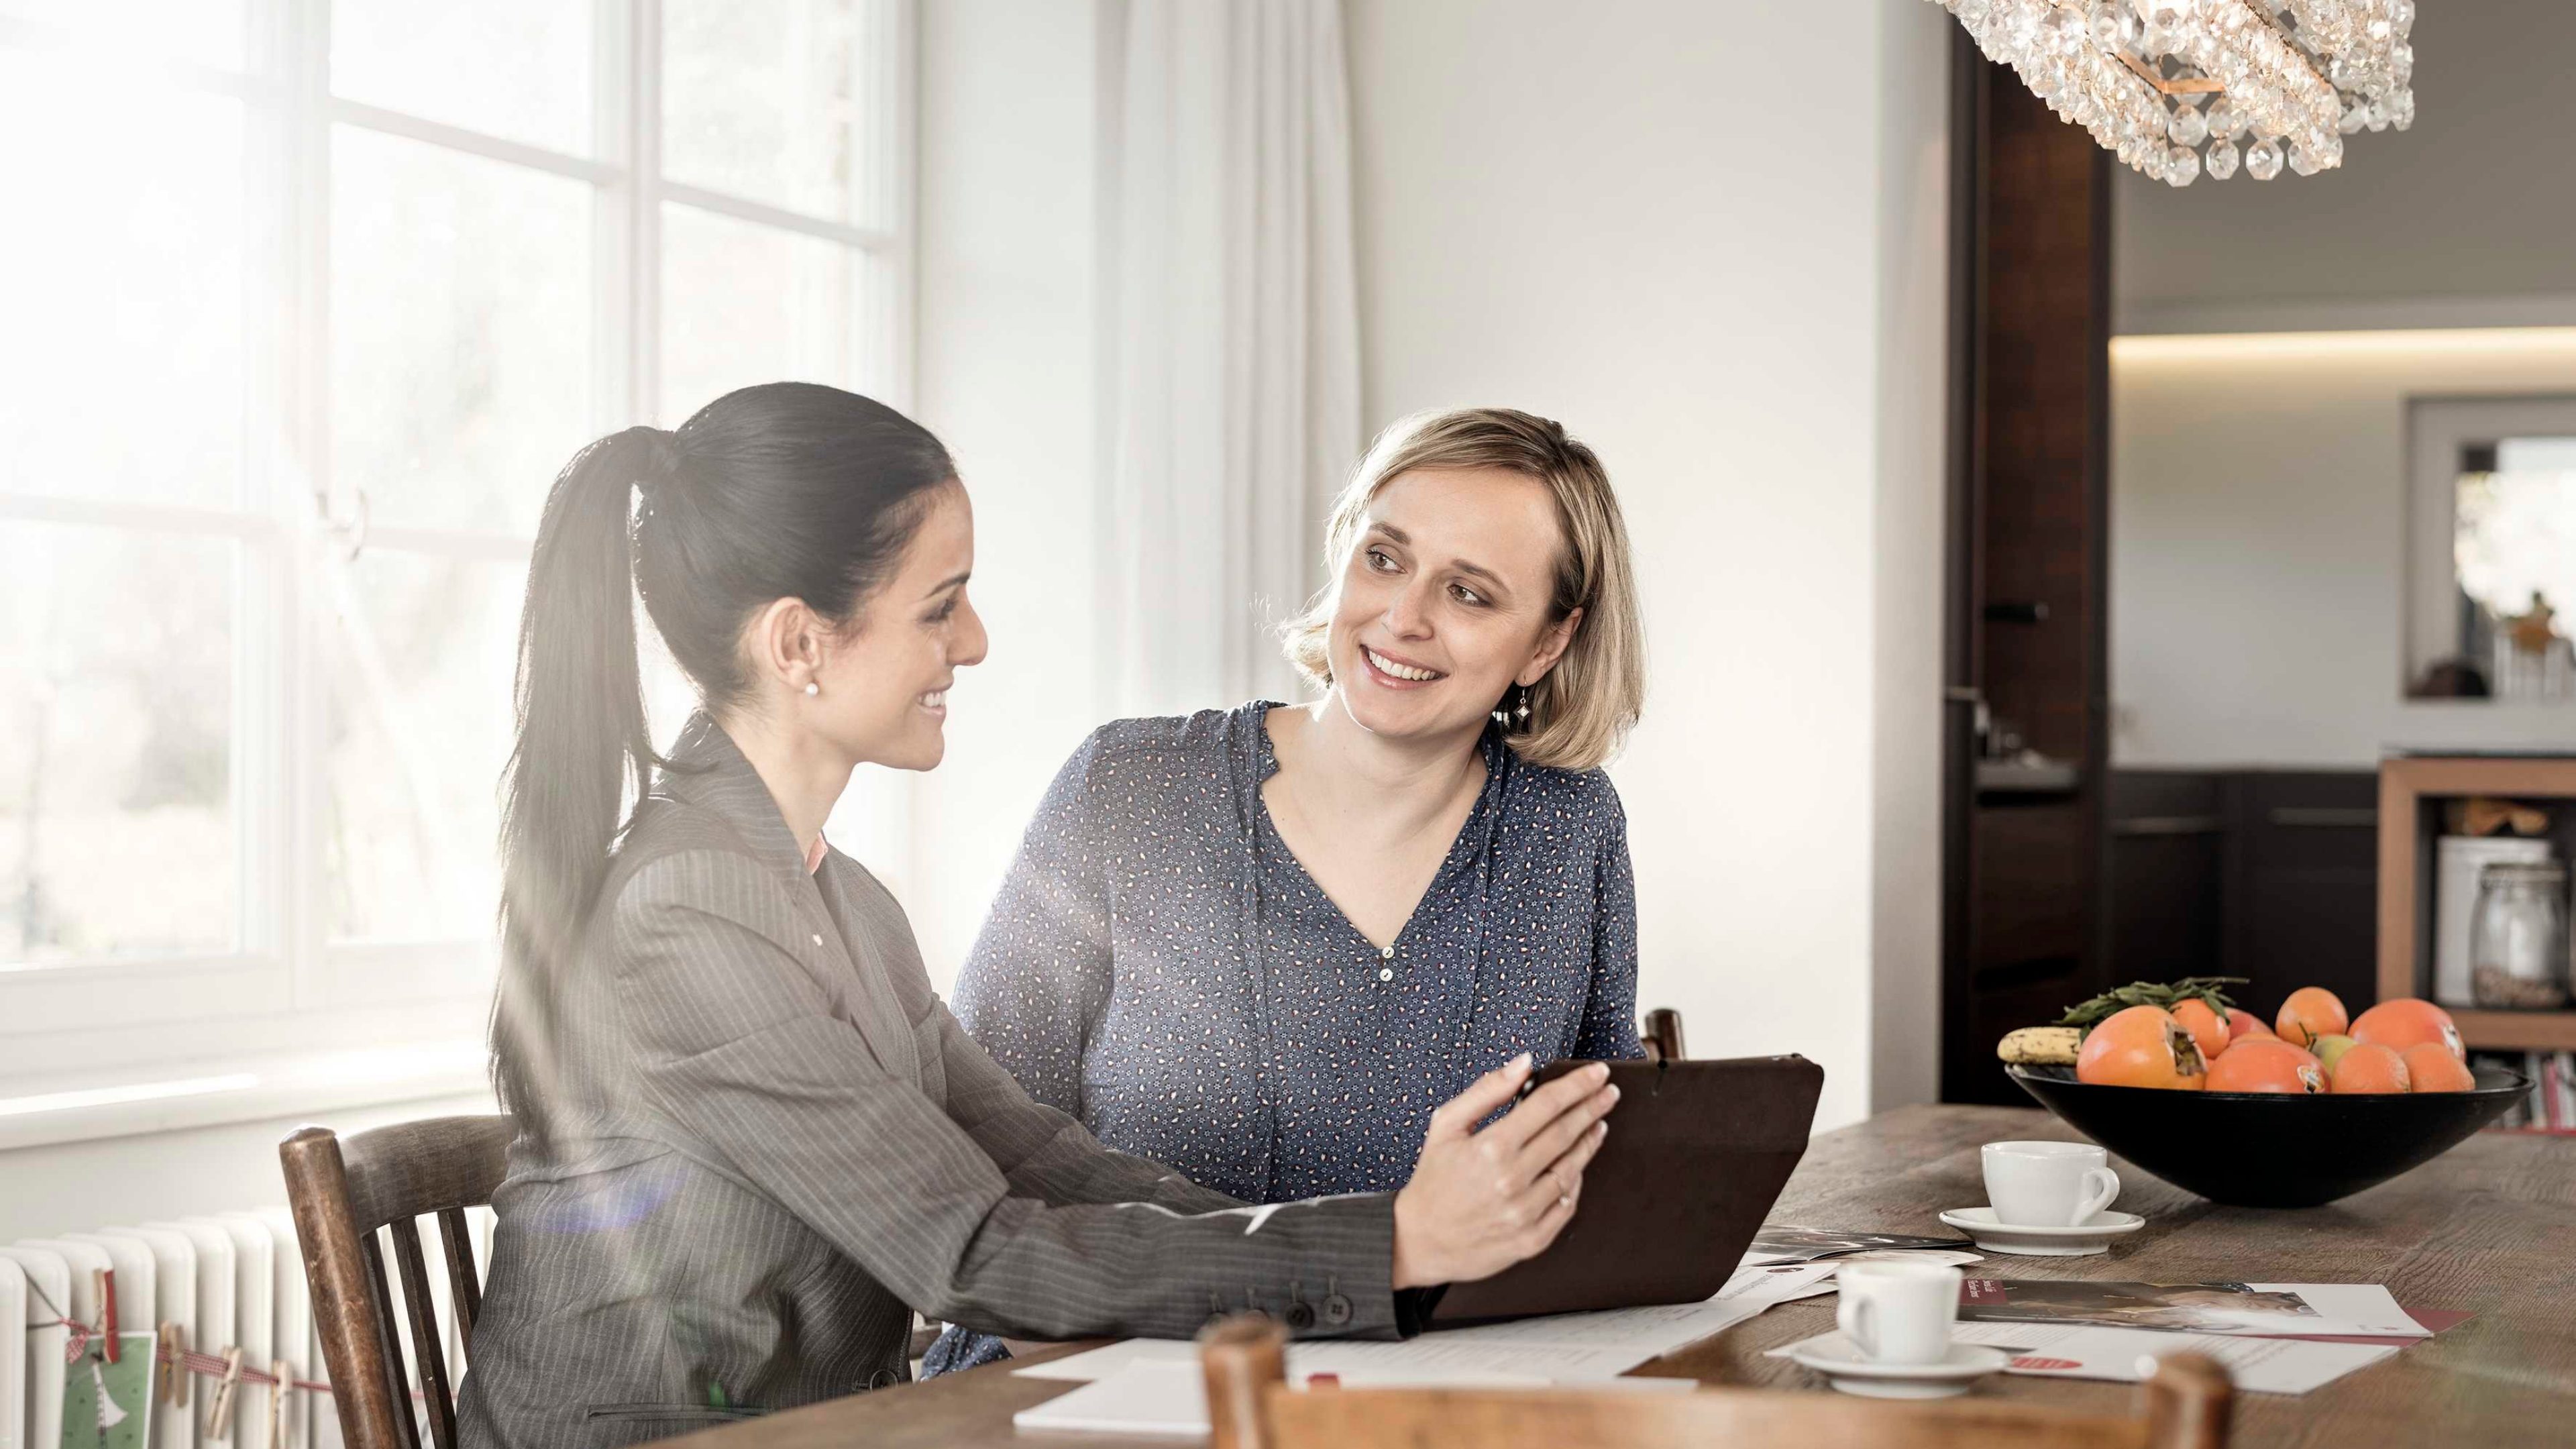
[279, 1370]
[105, 1278]
[219, 1423]
[174, 1365]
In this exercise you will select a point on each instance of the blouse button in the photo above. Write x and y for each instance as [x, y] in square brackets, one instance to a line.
[1386, 953]
[1386, 973]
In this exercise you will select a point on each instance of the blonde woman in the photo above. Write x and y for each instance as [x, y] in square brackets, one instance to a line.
[1262, 944]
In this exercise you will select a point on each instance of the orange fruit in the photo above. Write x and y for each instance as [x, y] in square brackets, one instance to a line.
[2208, 1030]
[2266, 1066]
[2309, 1013]
[2432, 1068]
[2242, 1023]
[2140, 1046]
[2370, 1067]
[2407, 1021]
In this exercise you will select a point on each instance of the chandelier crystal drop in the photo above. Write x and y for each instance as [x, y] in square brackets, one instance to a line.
[2153, 80]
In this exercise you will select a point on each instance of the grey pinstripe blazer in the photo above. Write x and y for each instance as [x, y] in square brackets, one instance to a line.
[772, 1140]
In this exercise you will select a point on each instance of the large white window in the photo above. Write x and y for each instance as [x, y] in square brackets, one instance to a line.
[303, 303]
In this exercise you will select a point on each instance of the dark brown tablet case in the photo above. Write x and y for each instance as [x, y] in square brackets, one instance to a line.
[1697, 1153]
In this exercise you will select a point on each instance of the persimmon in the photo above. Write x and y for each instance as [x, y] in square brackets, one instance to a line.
[2243, 1023]
[2369, 1067]
[2408, 1021]
[2208, 1030]
[2140, 1046]
[2309, 1013]
[2432, 1068]
[2266, 1066]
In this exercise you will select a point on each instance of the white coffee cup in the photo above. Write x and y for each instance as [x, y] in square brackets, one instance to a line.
[1898, 1313]
[2048, 1184]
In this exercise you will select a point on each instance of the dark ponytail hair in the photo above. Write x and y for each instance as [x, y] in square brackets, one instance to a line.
[784, 490]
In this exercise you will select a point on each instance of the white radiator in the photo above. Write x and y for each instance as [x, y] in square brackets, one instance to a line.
[229, 1280]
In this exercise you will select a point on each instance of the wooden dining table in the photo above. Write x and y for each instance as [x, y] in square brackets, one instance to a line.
[2488, 1228]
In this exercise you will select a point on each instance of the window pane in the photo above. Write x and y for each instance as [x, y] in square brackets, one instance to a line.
[116, 833]
[514, 68]
[121, 286]
[743, 303]
[460, 321]
[206, 32]
[421, 660]
[782, 101]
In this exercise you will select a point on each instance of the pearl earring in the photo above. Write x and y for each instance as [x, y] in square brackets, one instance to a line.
[812, 688]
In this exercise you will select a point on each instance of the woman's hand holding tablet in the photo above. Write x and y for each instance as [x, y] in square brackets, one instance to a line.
[1480, 1201]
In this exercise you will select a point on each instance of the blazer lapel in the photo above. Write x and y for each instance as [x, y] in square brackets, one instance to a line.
[709, 771]
[870, 946]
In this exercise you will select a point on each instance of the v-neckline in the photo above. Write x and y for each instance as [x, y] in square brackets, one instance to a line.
[1266, 764]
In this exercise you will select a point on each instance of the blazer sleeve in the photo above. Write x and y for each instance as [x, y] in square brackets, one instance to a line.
[1034, 987]
[1609, 1031]
[735, 1042]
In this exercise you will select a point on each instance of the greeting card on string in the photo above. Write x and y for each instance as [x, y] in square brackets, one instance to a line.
[109, 1405]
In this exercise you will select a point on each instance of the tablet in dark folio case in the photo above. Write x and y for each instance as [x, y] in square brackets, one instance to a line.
[1697, 1153]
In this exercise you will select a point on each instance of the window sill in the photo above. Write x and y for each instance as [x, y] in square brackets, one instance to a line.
[215, 1093]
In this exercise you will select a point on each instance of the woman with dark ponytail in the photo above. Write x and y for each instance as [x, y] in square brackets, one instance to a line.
[752, 1138]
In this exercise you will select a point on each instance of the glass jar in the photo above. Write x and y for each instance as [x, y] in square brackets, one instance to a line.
[2518, 941]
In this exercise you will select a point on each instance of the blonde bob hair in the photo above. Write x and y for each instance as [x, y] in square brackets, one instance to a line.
[1581, 712]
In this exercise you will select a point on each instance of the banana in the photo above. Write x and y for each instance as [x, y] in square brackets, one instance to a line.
[2041, 1046]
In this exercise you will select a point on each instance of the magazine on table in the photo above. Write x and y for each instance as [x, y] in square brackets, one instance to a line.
[2250, 1310]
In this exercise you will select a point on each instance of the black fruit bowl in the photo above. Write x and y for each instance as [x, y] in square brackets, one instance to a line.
[2257, 1149]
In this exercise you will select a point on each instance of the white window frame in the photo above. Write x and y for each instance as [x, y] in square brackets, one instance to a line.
[285, 988]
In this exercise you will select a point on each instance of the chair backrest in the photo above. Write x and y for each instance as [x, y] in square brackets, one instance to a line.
[343, 1193]
[2186, 1405]
[1662, 1031]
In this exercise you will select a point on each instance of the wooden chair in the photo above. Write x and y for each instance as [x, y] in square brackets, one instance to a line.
[1250, 1406]
[342, 1193]
[1662, 1030]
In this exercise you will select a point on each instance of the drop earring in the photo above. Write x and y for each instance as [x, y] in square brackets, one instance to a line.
[811, 688]
[1523, 711]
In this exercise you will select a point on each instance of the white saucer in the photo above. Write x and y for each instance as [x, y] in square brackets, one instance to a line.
[2042, 1242]
[1835, 1358]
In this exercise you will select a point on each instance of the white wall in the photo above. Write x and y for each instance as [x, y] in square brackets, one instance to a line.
[2258, 545]
[1587, 211]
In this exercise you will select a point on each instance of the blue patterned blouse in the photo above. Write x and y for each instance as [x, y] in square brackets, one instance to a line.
[1159, 965]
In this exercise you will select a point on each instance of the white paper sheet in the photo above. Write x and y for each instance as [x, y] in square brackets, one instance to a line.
[1780, 1283]
[1559, 1348]
[1430, 1359]
[1160, 1393]
[1143, 1396]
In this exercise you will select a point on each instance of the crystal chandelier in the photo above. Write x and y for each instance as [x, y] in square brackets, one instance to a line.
[2289, 78]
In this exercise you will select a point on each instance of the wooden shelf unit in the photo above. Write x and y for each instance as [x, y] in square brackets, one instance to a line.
[2406, 786]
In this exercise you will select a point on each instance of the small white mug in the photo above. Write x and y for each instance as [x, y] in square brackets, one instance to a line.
[1898, 1313]
[2048, 1184]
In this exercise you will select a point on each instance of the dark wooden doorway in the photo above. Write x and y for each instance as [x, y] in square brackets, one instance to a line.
[2025, 738]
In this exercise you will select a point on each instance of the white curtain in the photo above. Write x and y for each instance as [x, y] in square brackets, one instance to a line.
[1235, 401]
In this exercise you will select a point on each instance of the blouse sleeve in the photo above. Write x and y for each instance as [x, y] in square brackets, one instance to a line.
[1610, 1013]
[1038, 978]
